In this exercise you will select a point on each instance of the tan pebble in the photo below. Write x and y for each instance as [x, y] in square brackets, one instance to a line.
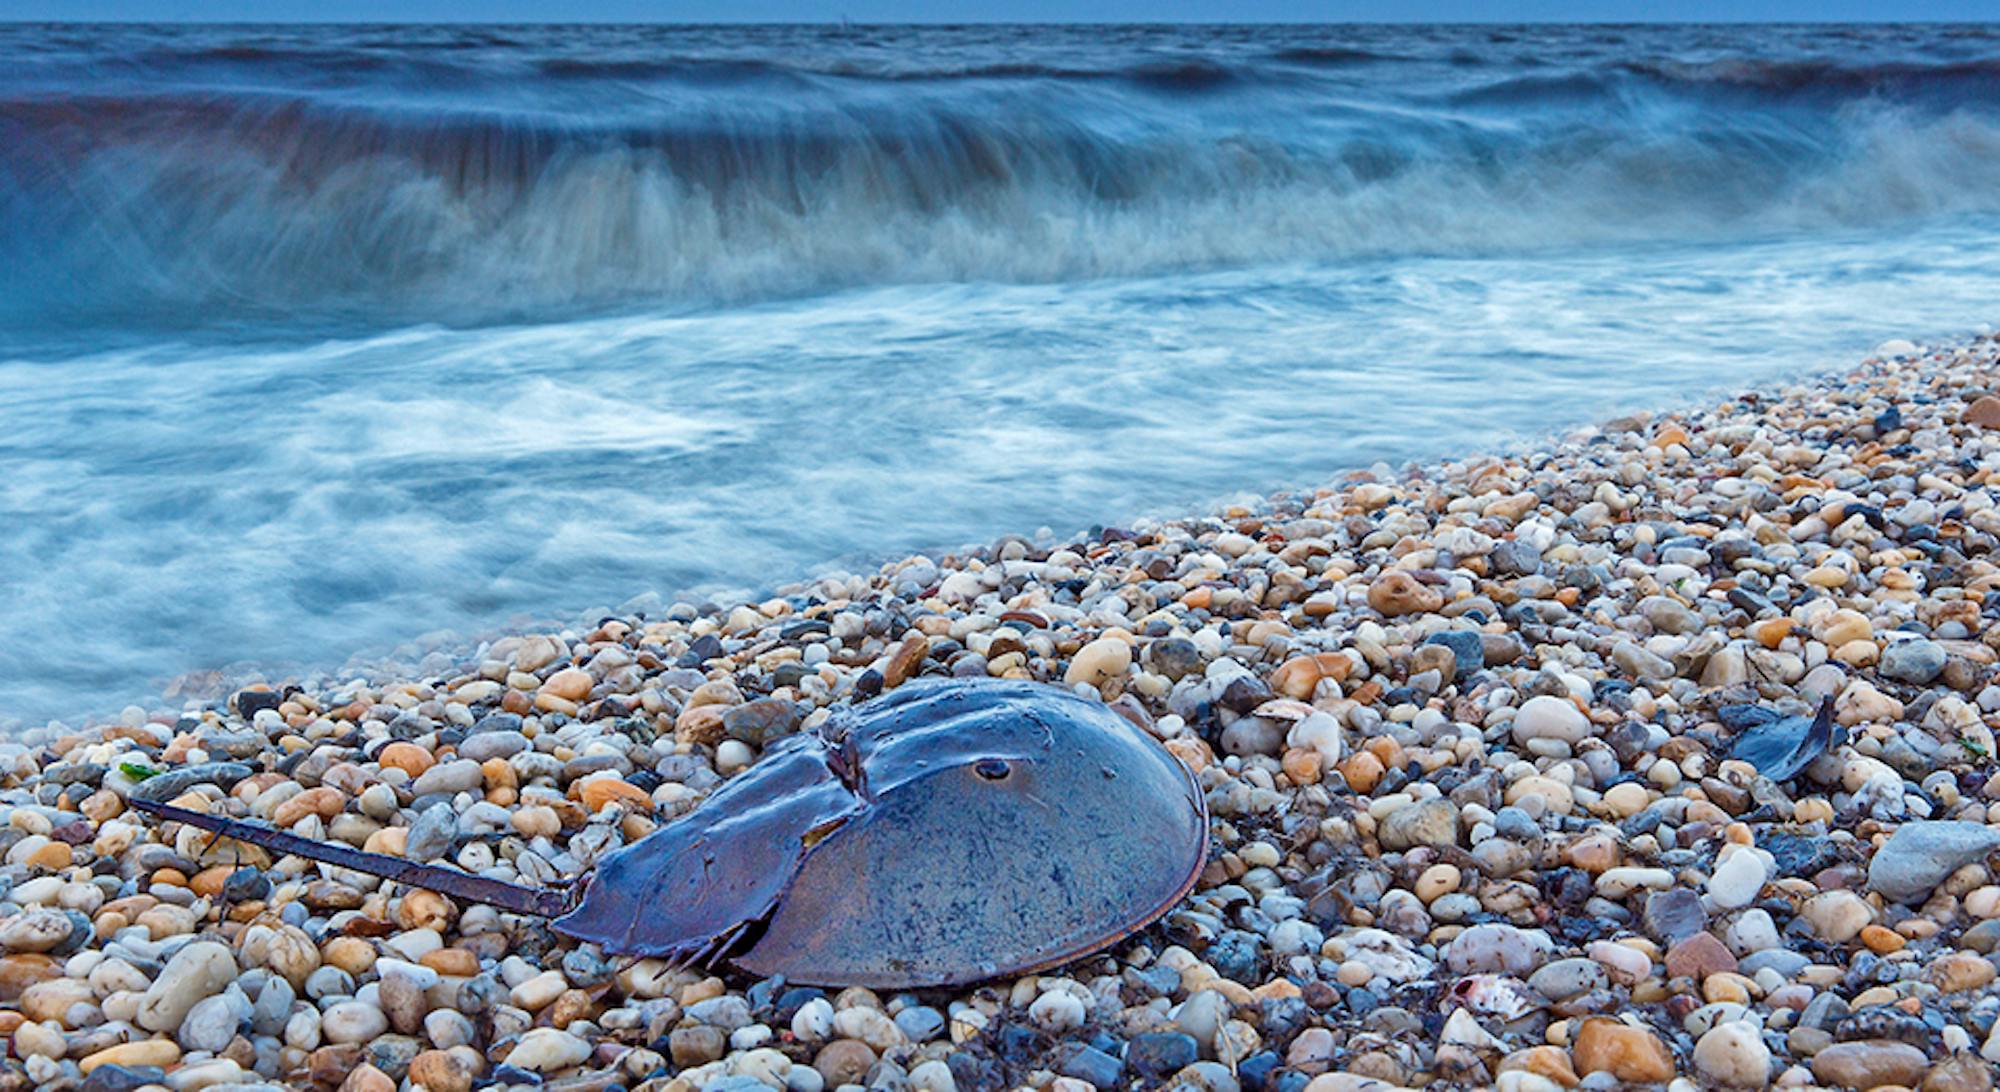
[1983, 902]
[1595, 853]
[571, 684]
[50, 1000]
[323, 801]
[569, 1007]
[1845, 627]
[167, 921]
[1631, 1054]
[102, 805]
[1959, 972]
[1397, 593]
[1827, 576]
[1982, 413]
[1193, 752]
[1438, 879]
[452, 1070]
[1873, 996]
[695, 992]
[38, 1040]
[549, 703]
[1813, 809]
[367, 1078]
[1388, 751]
[351, 954]
[700, 724]
[159, 1052]
[1726, 986]
[715, 692]
[1858, 653]
[424, 909]
[1549, 1062]
[1099, 662]
[454, 962]
[1626, 799]
[52, 856]
[1299, 676]
[537, 821]
[1302, 766]
[844, 1061]
[1278, 989]
[1556, 794]
[390, 840]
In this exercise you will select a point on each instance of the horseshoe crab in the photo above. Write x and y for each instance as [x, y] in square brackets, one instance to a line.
[1781, 747]
[949, 832]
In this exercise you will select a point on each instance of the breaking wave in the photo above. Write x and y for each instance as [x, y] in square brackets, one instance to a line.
[250, 178]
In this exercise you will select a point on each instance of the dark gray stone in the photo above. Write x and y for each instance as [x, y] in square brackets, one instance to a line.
[1674, 915]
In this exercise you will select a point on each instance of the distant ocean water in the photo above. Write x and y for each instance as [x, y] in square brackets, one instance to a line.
[314, 339]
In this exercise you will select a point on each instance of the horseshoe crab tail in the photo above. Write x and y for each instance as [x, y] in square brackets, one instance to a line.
[539, 902]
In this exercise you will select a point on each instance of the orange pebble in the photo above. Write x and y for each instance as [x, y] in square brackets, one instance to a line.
[324, 801]
[1881, 940]
[1302, 766]
[498, 774]
[1388, 750]
[208, 882]
[407, 757]
[1362, 771]
[457, 962]
[53, 856]
[600, 793]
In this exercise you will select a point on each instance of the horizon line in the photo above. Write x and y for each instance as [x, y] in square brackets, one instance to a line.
[955, 23]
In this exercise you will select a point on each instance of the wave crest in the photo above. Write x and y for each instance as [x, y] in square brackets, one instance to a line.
[213, 203]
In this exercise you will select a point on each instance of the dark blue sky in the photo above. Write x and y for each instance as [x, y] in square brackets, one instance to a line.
[931, 11]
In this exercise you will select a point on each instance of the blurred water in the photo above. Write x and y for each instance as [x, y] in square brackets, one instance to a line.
[384, 393]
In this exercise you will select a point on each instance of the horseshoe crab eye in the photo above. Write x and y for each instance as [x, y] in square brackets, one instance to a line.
[992, 769]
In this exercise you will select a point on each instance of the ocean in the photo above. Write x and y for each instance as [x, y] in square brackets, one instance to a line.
[329, 341]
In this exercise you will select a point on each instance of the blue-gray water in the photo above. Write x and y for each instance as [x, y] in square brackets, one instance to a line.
[313, 340]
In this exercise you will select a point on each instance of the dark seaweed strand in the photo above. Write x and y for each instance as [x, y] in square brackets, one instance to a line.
[545, 902]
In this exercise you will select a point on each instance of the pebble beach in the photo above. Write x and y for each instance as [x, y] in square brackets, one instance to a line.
[1472, 737]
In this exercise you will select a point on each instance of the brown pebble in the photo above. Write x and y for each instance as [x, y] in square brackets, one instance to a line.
[1397, 593]
[1984, 413]
[1631, 1054]
[452, 1070]
[844, 1061]
[367, 1078]
[1699, 956]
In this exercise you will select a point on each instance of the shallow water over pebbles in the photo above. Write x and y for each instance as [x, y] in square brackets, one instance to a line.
[178, 507]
